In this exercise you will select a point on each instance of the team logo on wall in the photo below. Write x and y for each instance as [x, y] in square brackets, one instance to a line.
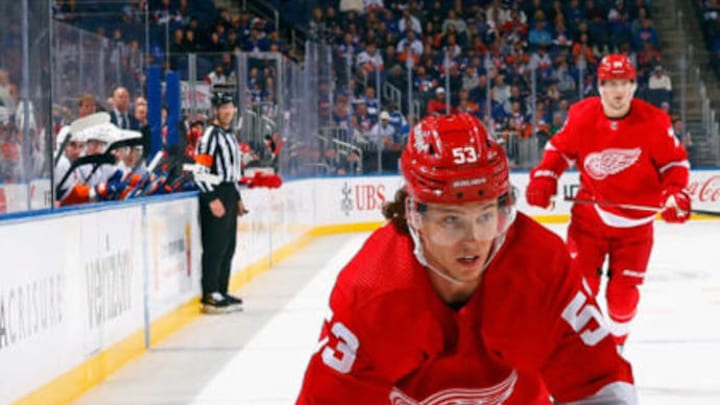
[346, 203]
[611, 161]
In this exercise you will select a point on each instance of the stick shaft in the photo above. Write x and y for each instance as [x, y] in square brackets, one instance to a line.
[614, 204]
[637, 207]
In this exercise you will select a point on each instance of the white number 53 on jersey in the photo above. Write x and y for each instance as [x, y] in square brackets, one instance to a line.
[578, 314]
[342, 356]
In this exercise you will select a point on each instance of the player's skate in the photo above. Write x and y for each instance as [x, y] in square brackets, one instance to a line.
[235, 303]
[215, 303]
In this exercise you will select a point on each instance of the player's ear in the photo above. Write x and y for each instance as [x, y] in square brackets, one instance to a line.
[633, 89]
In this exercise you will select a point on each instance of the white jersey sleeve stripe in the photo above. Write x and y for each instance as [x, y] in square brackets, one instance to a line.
[617, 393]
[684, 163]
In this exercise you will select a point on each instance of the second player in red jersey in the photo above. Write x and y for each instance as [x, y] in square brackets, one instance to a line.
[459, 299]
[627, 153]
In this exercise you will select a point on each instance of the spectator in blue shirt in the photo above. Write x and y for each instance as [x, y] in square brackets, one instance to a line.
[539, 36]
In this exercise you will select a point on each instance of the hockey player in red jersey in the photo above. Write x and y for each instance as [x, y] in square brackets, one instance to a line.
[627, 153]
[459, 299]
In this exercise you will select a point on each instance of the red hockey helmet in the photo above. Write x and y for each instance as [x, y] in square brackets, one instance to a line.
[616, 66]
[451, 159]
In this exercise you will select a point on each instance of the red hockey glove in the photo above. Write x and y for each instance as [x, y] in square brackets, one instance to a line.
[262, 180]
[267, 180]
[676, 208]
[542, 186]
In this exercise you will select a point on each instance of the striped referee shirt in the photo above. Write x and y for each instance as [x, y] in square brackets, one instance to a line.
[218, 154]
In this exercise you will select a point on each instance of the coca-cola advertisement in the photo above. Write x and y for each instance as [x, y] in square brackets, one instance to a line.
[704, 188]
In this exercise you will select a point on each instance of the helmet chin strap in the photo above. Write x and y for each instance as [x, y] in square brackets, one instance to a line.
[420, 254]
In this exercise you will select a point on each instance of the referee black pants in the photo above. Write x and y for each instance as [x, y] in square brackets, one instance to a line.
[218, 239]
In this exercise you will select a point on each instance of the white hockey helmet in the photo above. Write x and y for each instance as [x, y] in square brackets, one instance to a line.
[94, 127]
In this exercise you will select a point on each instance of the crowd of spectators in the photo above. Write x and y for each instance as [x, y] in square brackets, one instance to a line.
[492, 48]
[709, 13]
[176, 28]
[14, 146]
[472, 56]
[9, 142]
[11, 137]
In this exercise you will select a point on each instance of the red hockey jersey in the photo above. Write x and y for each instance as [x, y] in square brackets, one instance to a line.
[630, 160]
[530, 331]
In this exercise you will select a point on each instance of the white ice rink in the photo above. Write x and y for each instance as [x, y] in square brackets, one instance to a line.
[258, 356]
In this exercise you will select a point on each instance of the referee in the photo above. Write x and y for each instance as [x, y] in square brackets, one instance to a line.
[220, 205]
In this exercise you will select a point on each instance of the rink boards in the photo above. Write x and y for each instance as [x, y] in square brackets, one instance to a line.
[84, 290]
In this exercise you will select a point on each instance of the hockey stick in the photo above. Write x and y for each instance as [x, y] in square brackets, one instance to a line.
[148, 177]
[177, 184]
[637, 207]
[162, 180]
[95, 160]
[124, 138]
[65, 134]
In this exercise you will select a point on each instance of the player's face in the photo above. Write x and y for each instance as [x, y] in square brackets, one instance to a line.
[457, 238]
[616, 96]
[73, 150]
[86, 108]
[94, 147]
[134, 156]
[225, 114]
[121, 98]
[121, 154]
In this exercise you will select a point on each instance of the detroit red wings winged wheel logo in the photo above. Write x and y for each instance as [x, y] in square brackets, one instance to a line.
[493, 395]
[599, 165]
[421, 135]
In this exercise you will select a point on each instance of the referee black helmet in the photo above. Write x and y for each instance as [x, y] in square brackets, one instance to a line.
[219, 99]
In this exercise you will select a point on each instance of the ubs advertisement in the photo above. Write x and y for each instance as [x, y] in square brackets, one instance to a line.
[354, 199]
